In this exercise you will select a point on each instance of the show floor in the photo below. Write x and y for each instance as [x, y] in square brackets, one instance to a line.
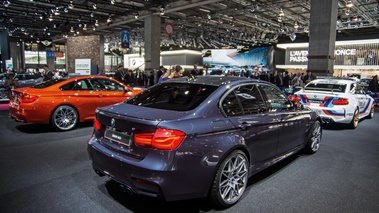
[47, 171]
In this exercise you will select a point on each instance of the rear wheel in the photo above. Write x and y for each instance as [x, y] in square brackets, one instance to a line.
[64, 118]
[314, 140]
[3, 93]
[372, 111]
[231, 180]
[354, 122]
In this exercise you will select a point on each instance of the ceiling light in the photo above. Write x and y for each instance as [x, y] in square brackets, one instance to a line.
[85, 27]
[71, 5]
[6, 3]
[109, 20]
[56, 12]
[51, 17]
[65, 10]
[293, 36]
[94, 6]
[72, 29]
[136, 16]
[349, 4]
[94, 28]
[347, 12]
[296, 25]
[112, 1]
[91, 14]
[281, 13]
[161, 11]
[97, 23]
[280, 19]
[204, 10]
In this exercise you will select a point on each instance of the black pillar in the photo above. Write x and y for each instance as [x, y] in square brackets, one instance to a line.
[5, 49]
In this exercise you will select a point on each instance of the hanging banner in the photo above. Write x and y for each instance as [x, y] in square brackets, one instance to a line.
[125, 39]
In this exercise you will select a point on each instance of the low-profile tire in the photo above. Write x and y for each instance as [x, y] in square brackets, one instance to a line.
[372, 112]
[354, 121]
[64, 118]
[231, 179]
[314, 139]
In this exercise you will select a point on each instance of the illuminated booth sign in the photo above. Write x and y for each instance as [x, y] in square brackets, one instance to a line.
[344, 55]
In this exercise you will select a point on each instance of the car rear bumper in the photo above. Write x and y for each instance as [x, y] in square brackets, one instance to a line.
[336, 115]
[158, 176]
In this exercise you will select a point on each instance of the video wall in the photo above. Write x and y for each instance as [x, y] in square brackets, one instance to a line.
[236, 59]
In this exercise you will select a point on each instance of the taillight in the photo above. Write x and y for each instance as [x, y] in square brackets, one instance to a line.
[165, 139]
[26, 98]
[341, 101]
[294, 98]
[96, 124]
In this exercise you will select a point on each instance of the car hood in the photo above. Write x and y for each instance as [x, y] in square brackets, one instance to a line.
[129, 110]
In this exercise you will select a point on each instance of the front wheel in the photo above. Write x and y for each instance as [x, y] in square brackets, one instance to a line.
[313, 143]
[64, 118]
[231, 180]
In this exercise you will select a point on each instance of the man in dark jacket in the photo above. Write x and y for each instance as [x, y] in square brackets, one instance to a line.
[118, 74]
[48, 75]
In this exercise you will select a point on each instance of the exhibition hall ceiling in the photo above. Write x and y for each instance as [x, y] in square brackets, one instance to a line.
[196, 23]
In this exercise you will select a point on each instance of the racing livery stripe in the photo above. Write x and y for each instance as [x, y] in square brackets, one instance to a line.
[333, 113]
[366, 108]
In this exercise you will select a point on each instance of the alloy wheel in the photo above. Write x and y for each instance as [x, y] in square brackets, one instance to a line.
[65, 118]
[233, 178]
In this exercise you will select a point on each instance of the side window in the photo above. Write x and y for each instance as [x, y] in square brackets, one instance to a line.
[96, 85]
[244, 100]
[250, 99]
[359, 90]
[110, 85]
[275, 99]
[76, 85]
[231, 105]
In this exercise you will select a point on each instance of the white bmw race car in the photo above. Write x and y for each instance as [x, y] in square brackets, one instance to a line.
[337, 100]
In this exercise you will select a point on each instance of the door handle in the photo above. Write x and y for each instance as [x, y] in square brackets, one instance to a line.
[245, 125]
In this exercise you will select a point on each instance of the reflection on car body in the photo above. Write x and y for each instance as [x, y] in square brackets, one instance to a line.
[211, 133]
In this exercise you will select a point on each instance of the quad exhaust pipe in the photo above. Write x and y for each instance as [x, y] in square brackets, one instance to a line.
[126, 189]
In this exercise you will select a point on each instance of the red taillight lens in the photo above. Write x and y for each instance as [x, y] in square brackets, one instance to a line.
[341, 101]
[294, 98]
[165, 139]
[26, 98]
[96, 124]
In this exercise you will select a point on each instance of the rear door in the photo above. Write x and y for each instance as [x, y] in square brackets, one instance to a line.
[246, 109]
[362, 98]
[292, 120]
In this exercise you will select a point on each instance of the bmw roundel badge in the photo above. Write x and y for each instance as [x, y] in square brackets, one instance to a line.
[113, 122]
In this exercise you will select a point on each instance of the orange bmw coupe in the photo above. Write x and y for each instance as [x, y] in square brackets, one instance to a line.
[65, 102]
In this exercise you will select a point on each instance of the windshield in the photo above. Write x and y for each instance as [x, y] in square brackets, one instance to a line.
[173, 96]
[47, 83]
[326, 87]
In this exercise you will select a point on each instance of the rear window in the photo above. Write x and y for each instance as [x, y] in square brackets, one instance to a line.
[326, 87]
[47, 83]
[173, 96]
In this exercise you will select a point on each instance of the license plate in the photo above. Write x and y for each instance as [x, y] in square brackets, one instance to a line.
[315, 101]
[118, 137]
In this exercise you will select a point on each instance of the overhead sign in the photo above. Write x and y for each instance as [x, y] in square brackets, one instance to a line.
[83, 66]
[125, 39]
